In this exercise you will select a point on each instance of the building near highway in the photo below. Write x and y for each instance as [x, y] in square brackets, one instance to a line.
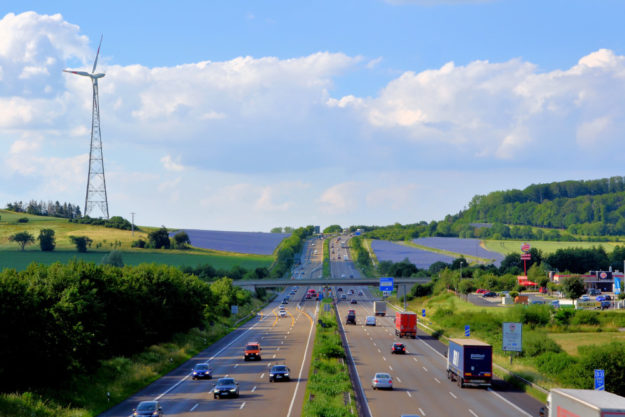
[601, 280]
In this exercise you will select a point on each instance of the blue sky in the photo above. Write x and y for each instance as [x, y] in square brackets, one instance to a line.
[244, 115]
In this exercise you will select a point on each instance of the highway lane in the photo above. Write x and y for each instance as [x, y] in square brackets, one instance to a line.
[311, 263]
[339, 265]
[419, 376]
[283, 340]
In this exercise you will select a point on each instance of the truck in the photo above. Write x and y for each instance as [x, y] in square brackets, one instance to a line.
[406, 324]
[379, 308]
[470, 362]
[582, 402]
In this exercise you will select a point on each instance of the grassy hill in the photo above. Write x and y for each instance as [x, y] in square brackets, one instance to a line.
[104, 240]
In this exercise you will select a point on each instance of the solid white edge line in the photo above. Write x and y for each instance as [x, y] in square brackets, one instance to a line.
[422, 412]
[301, 369]
[194, 407]
[516, 407]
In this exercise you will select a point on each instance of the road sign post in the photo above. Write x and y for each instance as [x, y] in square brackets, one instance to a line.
[467, 331]
[599, 379]
[423, 312]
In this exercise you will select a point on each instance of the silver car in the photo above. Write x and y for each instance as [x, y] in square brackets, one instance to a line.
[370, 321]
[382, 380]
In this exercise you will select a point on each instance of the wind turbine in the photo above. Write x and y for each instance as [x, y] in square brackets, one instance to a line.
[96, 184]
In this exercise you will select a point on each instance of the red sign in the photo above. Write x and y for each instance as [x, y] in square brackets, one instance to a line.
[525, 247]
[526, 256]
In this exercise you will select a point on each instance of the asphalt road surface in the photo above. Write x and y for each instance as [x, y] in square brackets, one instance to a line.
[339, 266]
[419, 377]
[286, 340]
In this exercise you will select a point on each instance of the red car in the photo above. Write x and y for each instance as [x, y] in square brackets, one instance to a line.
[481, 291]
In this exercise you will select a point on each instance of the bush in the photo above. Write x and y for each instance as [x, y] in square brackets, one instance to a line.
[586, 317]
[563, 316]
[537, 343]
[554, 364]
[81, 242]
[140, 243]
[113, 258]
[47, 242]
[22, 220]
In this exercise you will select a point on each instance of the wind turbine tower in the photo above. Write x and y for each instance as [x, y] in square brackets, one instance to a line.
[96, 199]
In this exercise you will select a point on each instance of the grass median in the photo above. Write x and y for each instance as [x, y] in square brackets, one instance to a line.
[329, 389]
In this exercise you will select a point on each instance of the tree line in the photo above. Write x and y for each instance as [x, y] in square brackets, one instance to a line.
[59, 320]
[41, 208]
[288, 249]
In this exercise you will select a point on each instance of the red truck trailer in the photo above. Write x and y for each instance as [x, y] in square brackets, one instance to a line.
[406, 324]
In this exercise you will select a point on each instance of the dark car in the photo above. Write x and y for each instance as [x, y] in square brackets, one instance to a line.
[351, 317]
[489, 294]
[600, 298]
[226, 387]
[148, 408]
[398, 348]
[285, 301]
[201, 371]
[279, 373]
[354, 301]
[339, 289]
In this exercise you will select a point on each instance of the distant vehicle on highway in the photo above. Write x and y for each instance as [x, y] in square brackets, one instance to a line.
[252, 351]
[351, 317]
[201, 371]
[282, 313]
[361, 293]
[148, 408]
[398, 348]
[354, 301]
[370, 321]
[279, 373]
[226, 387]
[489, 294]
[382, 380]
[343, 297]
[339, 289]
[342, 275]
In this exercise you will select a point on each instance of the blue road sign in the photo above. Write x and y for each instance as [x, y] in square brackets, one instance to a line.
[386, 284]
[617, 285]
[599, 379]
[467, 331]
[423, 312]
[320, 296]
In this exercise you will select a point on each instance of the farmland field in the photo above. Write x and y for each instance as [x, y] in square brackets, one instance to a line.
[470, 247]
[238, 242]
[390, 251]
[21, 259]
[571, 341]
[514, 246]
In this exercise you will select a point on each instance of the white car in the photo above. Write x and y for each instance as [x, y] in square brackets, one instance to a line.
[382, 380]
[282, 313]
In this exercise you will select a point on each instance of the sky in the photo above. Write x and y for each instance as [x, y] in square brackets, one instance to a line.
[247, 115]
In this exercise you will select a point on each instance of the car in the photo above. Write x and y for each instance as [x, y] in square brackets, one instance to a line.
[343, 297]
[201, 371]
[605, 304]
[361, 293]
[584, 298]
[148, 408]
[489, 294]
[285, 301]
[608, 297]
[351, 292]
[398, 348]
[226, 387]
[480, 291]
[351, 276]
[339, 289]
[370, 321]
[351, 317]
[279, 373]
[282, 313]
[554, 303]
[252, 351]
[354, 301]
[594, 291]
[382, 380]
[342, 275]
[600, 298]
[537, 302]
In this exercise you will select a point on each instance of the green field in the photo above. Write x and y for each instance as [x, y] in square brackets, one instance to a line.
[514, 246]
[20, 260]
[104, 240]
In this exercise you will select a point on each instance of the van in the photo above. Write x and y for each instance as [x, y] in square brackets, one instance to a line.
[252, 351]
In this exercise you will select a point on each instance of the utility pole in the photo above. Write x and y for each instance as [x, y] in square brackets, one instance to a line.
[133, 223]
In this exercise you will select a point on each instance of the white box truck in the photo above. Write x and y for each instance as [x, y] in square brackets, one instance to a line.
[583, 403]
[379, 308]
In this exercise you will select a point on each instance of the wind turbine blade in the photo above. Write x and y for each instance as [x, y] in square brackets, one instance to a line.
[95, 63]
[85, 73]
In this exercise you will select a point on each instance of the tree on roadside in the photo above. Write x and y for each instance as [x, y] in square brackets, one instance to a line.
[81, 242]
[22, 238]
[276, 230]
[334, 228]
[573, 287]
[47, 241]
[466, 287]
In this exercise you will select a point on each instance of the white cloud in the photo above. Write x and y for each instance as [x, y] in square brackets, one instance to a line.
[170, 165]
[340, 198]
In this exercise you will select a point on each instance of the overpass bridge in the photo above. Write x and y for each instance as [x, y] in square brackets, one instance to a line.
[374, 282]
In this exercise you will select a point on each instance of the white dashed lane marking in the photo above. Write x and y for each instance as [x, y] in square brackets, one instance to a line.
[253, 389]
[436, 379]
[472, 412]
[452, 394]
[242, 405]
[409, 394]
[195, 406]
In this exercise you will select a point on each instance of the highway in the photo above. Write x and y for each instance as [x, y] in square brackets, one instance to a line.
[286, 340]
[311, 263]
[339, 265]
[419, 377]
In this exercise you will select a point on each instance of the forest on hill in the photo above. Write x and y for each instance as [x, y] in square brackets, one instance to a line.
[569, 210]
